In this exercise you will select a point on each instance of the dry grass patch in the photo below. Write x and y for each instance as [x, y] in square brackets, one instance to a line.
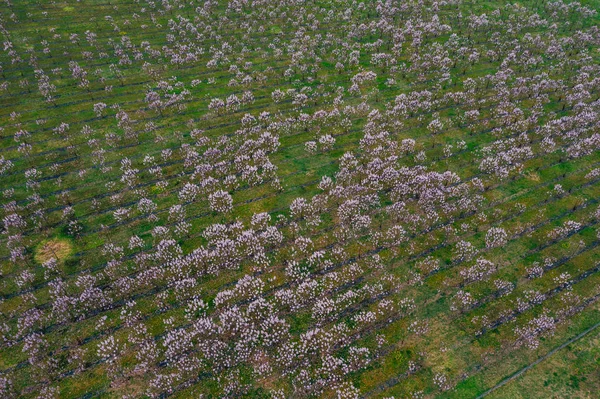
[57, 248]
[534, 177]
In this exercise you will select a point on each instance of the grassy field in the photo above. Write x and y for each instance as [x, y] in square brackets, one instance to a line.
[298, 199]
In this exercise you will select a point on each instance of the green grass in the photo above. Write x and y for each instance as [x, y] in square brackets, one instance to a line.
[471, 363]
